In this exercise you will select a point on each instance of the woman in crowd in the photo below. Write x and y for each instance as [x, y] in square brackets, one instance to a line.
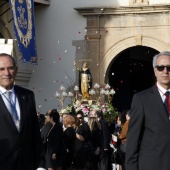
[96, 137]
[69, 140]
[79, 162]
[45, 129]
[56, 151]
[122, 136]
[116, 156]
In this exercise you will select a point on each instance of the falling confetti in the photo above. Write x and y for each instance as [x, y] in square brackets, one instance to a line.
[65, 51]
[39, 106]
[59, 58]
[112, 74]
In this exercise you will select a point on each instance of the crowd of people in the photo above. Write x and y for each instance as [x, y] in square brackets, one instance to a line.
[71, 143]
[137, 140]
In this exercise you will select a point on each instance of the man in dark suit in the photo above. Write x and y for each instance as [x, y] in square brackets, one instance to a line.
[148, 139]
[20, 140]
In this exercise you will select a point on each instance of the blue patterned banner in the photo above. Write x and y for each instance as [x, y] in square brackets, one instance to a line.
[23, 17]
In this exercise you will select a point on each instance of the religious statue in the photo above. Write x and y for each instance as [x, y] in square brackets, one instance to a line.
[85, 80]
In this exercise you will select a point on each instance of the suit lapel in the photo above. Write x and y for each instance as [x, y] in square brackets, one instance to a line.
[159, 104]
[22, 104]
[5, 113]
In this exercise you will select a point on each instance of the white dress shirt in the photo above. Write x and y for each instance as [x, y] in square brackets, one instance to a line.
[13, 98]
[162, 92]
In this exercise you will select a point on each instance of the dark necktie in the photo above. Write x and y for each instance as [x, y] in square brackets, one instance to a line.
[167, 101]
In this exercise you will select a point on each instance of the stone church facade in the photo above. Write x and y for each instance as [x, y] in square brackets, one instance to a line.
[112, 30]
[75, 30]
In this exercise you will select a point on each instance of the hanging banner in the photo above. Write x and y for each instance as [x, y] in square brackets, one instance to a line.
[24, 28]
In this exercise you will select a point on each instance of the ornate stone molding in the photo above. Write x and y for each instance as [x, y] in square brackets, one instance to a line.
[45, 2]
[138, 2]
[92, 37]
[23, 78]
[124, 10]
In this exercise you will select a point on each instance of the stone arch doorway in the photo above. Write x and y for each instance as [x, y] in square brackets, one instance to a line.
[130, 72]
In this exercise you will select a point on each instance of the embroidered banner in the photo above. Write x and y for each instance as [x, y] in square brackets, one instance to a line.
[24, 28]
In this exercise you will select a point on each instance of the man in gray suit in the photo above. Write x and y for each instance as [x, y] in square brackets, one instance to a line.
[20, 140]
[148, 139]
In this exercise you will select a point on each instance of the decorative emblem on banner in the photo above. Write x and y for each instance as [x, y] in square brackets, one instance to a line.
[24, 29]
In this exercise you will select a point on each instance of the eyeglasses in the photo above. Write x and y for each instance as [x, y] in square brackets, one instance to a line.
[161, 67]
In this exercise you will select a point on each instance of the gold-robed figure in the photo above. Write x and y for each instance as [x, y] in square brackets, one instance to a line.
[85, 79]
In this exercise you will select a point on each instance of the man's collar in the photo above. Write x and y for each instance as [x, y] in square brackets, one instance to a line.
[3, 90]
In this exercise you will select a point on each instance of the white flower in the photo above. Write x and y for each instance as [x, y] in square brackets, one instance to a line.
[107, 86]
[57, 94]
[96, 86]
[92, 92]
[76, 88]
[70, 94]
[112, 92]
[64, 111]
[102, 91]
[64, 94]
[107, 92]
[62, 88]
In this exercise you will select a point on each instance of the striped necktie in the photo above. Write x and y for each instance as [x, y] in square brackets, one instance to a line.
[12, 108]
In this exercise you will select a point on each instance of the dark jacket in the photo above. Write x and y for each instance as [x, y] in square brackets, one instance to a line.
[148, 139]
[20, 149]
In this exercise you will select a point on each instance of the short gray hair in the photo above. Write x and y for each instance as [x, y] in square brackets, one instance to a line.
[167, 53]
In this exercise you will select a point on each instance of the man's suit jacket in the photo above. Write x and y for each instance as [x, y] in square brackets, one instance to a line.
[148, 139]
[105, 133]
[55, 141]
[20, 150]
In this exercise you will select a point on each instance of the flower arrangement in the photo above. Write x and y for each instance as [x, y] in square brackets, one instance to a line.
[107, 109]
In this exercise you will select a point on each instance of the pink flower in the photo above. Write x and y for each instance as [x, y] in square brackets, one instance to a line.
[85, 110]
[104, 109]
